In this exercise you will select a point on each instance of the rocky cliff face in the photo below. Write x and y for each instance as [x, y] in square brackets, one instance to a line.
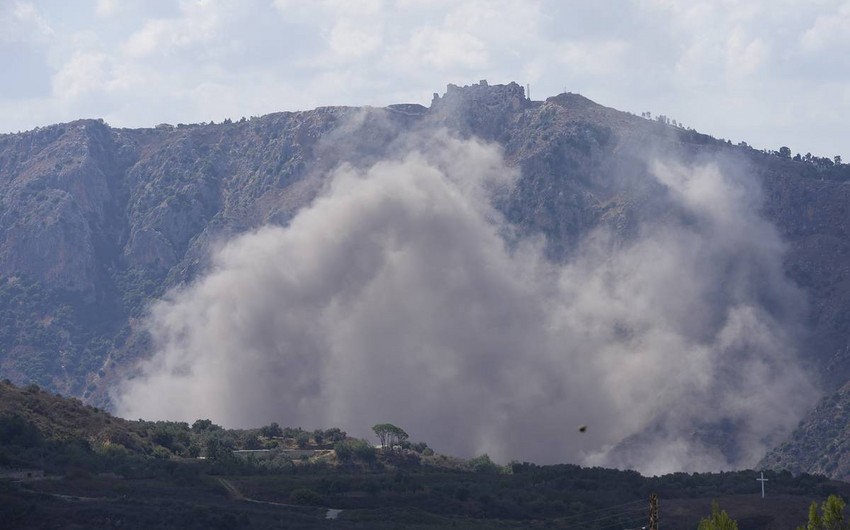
[821, 443]
[95, 221]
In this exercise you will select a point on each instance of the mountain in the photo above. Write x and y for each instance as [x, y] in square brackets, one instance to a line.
[820, 443]
[95, 221]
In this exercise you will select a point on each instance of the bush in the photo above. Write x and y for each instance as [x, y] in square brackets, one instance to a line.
[15, 430]
[271, 430]
[302, 439]
[161, 453]
[251, 441]
[363, 451]
[334, 435]
[162, 436]
[343, 451]
[349, 450]
[483, 464]
[202, 425]
[305, 496]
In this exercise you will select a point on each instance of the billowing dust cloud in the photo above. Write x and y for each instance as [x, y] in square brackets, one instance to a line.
[395, 298]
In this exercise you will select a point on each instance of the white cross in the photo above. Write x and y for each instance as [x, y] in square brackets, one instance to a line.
[762, 480]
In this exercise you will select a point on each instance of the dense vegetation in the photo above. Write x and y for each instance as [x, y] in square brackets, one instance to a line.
[135, 474]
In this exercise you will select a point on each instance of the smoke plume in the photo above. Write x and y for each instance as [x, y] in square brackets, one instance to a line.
[396, 297]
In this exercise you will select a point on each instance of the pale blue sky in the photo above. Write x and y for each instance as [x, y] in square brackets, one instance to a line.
[768, 72]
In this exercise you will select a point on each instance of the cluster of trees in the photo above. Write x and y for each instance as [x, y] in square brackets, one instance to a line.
[389, 435]
[661, 118]
[824, 162]
[355, 451]
[830, 517]
[273, 433]
[821, 162]
[718, 520]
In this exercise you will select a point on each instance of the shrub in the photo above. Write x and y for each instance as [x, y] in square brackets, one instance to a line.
[305, 496]
[483, 464]
[271, 430]
[302, 439]
[334, 435]
[348, 450]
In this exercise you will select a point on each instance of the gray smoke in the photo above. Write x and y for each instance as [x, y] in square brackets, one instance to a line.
[395, 298]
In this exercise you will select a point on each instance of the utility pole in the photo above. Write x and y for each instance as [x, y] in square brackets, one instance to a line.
[762, 480]
[653, 512]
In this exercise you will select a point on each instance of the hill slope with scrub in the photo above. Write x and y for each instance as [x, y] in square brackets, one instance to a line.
[141, 476]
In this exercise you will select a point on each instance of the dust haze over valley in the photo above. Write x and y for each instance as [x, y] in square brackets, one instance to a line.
[406, 291]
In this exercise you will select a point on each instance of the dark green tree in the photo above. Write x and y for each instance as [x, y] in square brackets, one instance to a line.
[219, 449]
[334, 434]
[201, 425]
[389, 435]
[305, 496]
[271, 430]
[831, 516]
[348, 450]
[302, 439]
[718, 520]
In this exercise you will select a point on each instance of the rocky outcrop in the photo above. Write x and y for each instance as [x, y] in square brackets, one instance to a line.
[56, 201]
[821, 443]
[482, 110]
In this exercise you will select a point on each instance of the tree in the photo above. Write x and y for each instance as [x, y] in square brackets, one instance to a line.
[483, 464]
[830, 518]
[202, 425]
[271, 430]
[785, 152]
[389, 435]
[250, 440]
[302, 439]
[305, 496]
[218, 449]
[718, 520]
[837, 160]
[334, 434]
[347, 450]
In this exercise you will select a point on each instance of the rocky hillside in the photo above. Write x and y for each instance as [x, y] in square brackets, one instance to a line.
[96, 221]
[821, 443]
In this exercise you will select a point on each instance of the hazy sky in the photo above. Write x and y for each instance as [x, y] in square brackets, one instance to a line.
[771, 73]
